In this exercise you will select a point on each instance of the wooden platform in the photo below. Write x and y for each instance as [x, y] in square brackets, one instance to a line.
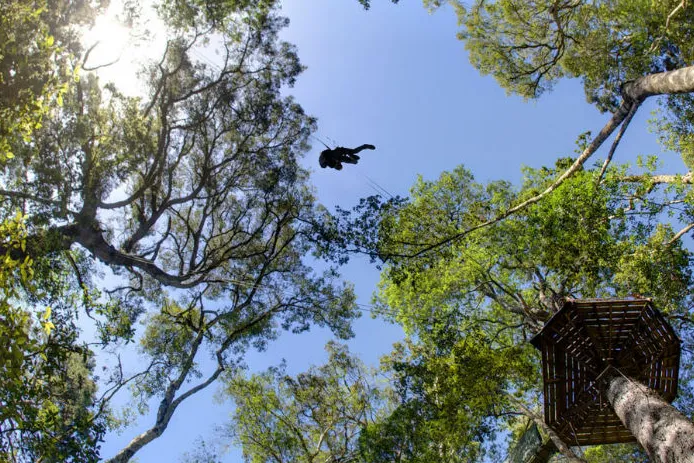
[585, 337]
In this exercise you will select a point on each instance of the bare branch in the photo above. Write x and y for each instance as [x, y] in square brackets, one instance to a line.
[658, 179]
[679, 235]
[615, 143]
[93, 241]
[99, 66]
[681, 5]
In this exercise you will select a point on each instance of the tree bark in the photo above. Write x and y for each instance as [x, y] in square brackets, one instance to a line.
[661, 178]
[662, 83]
[91, 238]
[665, 433]
[166, 411]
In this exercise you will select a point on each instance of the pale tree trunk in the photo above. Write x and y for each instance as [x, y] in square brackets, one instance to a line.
[170, 402]
[167, 407]
[662, 83]
[665, 433]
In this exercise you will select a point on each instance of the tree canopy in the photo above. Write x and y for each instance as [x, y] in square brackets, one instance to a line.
[316, 416]
[183, 208]
[495, 288]
[180, 219]
[485, 265]
[466, 379]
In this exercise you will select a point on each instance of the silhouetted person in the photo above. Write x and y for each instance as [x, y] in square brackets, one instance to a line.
[335, 157]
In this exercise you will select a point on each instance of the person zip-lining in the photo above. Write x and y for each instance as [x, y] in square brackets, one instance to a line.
[334, 157]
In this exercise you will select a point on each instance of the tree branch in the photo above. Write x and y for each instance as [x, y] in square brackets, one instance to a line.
[679, 234]
[615, 143]
[658, 179]
[560, 444]
[94, 242]
[633, 94]
[606, 131]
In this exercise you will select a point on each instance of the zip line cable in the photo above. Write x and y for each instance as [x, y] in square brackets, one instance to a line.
[378, 193]
[322, 142]
[371, 182]
[378, 187]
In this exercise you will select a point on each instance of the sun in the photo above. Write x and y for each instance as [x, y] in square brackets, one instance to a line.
[116, 52]
[106, 41]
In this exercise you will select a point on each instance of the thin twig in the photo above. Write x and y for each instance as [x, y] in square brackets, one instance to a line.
[94, 68]
[682, 4]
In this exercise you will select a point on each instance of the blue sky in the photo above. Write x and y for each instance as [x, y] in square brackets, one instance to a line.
[398, 78]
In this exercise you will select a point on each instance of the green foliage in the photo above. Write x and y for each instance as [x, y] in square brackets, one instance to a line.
[25, 81]
[189, 199]
[17, 322]
[316, 416]
[46, 389]
[189, 14]
[367, 3]
[451, 396]
[470, 305]
[658, 268]
[547, 244]
[37, 50]
[615, 453]
[529, 45]
[676, 129]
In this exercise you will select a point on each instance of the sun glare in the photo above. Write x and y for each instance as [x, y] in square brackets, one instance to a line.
[117, 52]
[107, 41]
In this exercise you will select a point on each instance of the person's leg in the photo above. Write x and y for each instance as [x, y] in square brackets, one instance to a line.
[342, 151]
[352, 153]
[346, 155]
[349, 155]
[364, 147]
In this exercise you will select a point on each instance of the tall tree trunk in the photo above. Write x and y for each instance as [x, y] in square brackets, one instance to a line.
[666, 434]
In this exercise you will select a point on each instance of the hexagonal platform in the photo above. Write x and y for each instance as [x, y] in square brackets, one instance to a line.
[585, 337]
